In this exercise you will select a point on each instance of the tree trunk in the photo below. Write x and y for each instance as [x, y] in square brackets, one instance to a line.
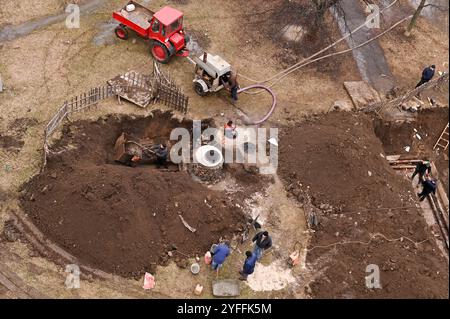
[413, 21]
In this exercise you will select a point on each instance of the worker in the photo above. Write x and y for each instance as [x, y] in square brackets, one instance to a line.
[219, 254]
[429, 186]
[262, 242]
[427, 75]
[230, 130]
[249, 265]
[233, 86]
[161, 153]
[422, 168]
[134, 160]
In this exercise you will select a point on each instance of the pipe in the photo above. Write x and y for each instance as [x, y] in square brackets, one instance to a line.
[274, 101]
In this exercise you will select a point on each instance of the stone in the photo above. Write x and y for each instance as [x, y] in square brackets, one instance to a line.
[342, 106]
[226, 288]
[10, 235]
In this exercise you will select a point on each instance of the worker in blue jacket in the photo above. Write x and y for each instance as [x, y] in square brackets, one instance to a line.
[249, 265]
[219, 255]
[427, 75]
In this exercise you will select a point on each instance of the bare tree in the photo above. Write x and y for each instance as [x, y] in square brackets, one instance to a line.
[423, 4]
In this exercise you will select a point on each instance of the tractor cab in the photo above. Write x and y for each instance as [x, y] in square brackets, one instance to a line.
[167, 25]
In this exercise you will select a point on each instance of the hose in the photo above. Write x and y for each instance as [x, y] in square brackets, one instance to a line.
[274, 101]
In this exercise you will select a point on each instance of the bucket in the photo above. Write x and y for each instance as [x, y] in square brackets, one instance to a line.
[130, 7]
[195, 268]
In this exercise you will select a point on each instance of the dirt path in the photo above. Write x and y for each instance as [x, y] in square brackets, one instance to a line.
[11, 32]
[370, 59]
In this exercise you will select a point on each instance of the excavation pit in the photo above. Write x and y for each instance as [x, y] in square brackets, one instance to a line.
[124, 220]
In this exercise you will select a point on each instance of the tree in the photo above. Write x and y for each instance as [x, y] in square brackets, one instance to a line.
[423, 4]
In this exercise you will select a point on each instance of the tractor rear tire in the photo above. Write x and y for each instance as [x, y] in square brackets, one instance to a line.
[160, 52]
[121, 32]
[198, 88]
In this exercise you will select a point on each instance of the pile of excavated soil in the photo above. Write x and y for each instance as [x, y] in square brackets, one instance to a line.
[121, 219]
[330, 158]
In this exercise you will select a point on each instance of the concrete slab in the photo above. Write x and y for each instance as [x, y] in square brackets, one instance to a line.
[361, 93]
[226, 288]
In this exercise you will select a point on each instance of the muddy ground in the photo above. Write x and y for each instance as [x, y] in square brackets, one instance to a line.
[428, 124]
[336, 159]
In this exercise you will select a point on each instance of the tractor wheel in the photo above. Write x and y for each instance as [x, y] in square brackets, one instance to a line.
[121, 32]
[160, 52]
[198, 88]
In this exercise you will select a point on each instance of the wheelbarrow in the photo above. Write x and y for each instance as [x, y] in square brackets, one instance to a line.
[126, 149]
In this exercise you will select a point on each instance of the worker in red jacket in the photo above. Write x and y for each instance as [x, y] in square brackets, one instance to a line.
[230, 130]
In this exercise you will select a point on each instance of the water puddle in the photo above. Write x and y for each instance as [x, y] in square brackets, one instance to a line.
[106, 35]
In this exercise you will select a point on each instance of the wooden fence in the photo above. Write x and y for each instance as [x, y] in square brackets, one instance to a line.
[162, 87]
[380, 106]
[81, 103]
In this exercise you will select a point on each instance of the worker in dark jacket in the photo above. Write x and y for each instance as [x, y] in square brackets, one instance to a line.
[429, 186]
[249, 265]
[232, 85]
[161, 153]
[427, 75]
[422, 168]
[262, 242]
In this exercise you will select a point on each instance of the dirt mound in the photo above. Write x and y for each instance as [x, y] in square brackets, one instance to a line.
[336, 159]
[124, 220]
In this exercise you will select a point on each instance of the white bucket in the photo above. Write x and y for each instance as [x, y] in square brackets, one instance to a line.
[130, 7]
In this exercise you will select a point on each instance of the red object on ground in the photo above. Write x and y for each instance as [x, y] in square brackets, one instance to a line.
[149, 281]
[208, 258]
[164, 28]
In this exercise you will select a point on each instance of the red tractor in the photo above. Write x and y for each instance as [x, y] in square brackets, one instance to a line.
[164, 29]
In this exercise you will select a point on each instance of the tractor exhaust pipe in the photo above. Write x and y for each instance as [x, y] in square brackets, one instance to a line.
[205, 57]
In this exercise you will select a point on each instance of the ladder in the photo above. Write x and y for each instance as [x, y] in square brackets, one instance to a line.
[443, 139]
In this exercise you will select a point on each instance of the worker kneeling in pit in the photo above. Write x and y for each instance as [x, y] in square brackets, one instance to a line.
[161, 153]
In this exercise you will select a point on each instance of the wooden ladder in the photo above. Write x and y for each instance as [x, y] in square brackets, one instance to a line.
[443, 139]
